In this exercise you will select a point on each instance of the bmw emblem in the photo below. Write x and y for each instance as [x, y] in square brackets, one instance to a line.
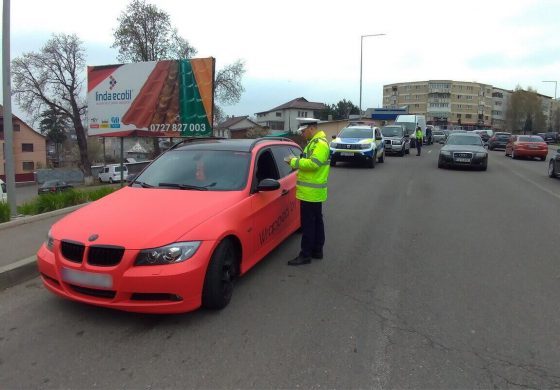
[93, 237]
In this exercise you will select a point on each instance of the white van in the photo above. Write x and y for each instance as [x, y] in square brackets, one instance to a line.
[3, 192]
[112, 173]
[410, 122]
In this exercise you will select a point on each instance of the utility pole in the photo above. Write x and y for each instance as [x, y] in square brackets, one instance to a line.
[8, 123]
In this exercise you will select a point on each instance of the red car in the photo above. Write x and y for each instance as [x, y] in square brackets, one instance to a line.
[176, 237]
[526, 146]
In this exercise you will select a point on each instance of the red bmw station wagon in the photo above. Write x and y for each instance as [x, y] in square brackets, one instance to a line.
[176, 238]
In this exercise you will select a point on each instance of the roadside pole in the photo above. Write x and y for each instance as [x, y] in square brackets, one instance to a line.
[8, 125]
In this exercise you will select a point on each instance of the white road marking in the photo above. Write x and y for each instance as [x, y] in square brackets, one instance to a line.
[523, 177]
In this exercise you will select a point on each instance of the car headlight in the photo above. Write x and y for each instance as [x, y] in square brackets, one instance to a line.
[480, 155]
[445, 153]
[365, 146]
[334, 145]
[169, 254]
[49, 241]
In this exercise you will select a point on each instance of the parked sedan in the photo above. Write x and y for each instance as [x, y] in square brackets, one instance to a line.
[52, 186]
[439, 136]
[463, 150]
[499, 140]
[554, 165]
[526, 146]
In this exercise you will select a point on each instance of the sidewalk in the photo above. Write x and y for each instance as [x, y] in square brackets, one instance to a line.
[19, 241]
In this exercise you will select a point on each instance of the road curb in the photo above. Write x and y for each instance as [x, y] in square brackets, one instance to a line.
[18, 272]
[34, 218]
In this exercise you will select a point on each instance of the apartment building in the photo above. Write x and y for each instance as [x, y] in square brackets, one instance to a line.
[443, 102]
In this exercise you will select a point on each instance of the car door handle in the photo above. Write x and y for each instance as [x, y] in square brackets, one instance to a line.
[284, 192]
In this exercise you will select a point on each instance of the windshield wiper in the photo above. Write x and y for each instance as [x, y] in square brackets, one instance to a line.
[187, 186]
[142, 184]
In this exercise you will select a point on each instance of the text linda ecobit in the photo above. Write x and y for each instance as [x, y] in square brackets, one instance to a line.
[113, 96]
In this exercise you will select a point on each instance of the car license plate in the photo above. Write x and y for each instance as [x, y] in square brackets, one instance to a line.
[347, 154]
[533, 147]
[463, 160]
[90, 279]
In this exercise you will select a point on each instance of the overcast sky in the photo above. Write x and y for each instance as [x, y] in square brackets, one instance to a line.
[312, 48]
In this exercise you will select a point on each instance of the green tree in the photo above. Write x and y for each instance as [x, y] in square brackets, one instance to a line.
[524, 112]
[145, 33]
[53, 79]
[53, 124]
[341, 110]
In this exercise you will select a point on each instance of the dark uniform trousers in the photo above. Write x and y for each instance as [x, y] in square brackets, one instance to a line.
[418, 147]
[312, 227]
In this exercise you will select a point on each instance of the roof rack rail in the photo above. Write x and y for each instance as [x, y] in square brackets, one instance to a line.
[264, 139]
[192, 139]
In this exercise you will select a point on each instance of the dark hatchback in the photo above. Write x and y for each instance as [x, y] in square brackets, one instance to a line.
[52, 186]
[463, 150]
[554, 165]
[499, 140]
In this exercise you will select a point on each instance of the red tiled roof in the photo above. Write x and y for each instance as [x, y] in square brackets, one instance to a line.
[235, 120]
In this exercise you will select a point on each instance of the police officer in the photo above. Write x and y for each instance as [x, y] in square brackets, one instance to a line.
[419, 139]
[311, 189]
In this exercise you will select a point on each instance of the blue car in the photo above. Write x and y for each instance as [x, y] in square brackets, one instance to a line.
[360, 143]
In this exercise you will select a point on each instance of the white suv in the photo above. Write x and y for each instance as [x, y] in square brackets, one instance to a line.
[112, 173]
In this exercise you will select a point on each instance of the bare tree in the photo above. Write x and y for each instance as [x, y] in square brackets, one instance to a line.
[524, 112]
[228, 83]
[51, 79]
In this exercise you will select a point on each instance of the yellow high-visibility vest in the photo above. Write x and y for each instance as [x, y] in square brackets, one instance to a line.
[314, 168]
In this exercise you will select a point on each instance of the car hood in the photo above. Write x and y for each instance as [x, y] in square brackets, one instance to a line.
[464, 148]
[353, 140]
[139, 218]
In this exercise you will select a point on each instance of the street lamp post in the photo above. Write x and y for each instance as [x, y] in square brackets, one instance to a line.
[361, 61]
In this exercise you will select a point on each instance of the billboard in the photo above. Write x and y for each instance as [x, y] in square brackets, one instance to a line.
[173, 98]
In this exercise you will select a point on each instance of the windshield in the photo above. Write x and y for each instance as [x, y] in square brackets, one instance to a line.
[460, 139]
[195, 169]
[350, 132]
[438, 132]
[392, 131]
[409, 126]
[49, 183]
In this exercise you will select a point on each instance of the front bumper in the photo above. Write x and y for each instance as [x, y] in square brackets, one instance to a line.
[350, 155]
[174, 288]
[394, 149]
[453, 161]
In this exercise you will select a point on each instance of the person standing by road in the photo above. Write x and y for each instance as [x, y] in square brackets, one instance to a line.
[419, 139]
[311, 189]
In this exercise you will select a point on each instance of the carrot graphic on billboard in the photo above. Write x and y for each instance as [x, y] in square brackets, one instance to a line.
[164, 98]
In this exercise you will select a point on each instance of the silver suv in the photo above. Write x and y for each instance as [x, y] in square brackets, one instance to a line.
[396, 139]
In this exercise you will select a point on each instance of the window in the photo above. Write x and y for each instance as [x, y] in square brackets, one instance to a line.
[278, 113]
[26, 147]
[28, 165]
[266, 168]
[280, 152]
[468, 116]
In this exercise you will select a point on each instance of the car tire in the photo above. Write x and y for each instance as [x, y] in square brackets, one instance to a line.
[407, 151]
[371, 163]
[333, 162]
[484, 166]
[551, 169]
[440, 165]
[513, 154]
[403, 152]
[382, 158]
[111, 180]
[220, 277]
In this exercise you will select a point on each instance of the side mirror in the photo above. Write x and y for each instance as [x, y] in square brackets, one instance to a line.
[334, 137]
[268, 185]
[407, 136]
[378, 138]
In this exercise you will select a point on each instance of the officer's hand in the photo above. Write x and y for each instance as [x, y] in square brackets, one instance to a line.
[288, 159]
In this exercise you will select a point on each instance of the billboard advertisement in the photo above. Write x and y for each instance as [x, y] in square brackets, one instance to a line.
[172, 98]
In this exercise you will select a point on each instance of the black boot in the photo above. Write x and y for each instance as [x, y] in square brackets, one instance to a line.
[317, 255]
[300, 260]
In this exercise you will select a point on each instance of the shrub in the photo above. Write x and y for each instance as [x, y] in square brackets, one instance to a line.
[4, 212]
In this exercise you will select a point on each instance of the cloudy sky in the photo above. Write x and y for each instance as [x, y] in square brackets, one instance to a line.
[312, 48]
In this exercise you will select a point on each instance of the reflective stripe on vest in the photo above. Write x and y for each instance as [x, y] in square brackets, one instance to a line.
[312, 185]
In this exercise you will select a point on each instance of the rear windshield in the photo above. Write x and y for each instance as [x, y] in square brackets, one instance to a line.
[532, 138]
[502, 136]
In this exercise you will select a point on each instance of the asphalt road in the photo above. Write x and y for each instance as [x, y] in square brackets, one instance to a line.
[432, 279]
